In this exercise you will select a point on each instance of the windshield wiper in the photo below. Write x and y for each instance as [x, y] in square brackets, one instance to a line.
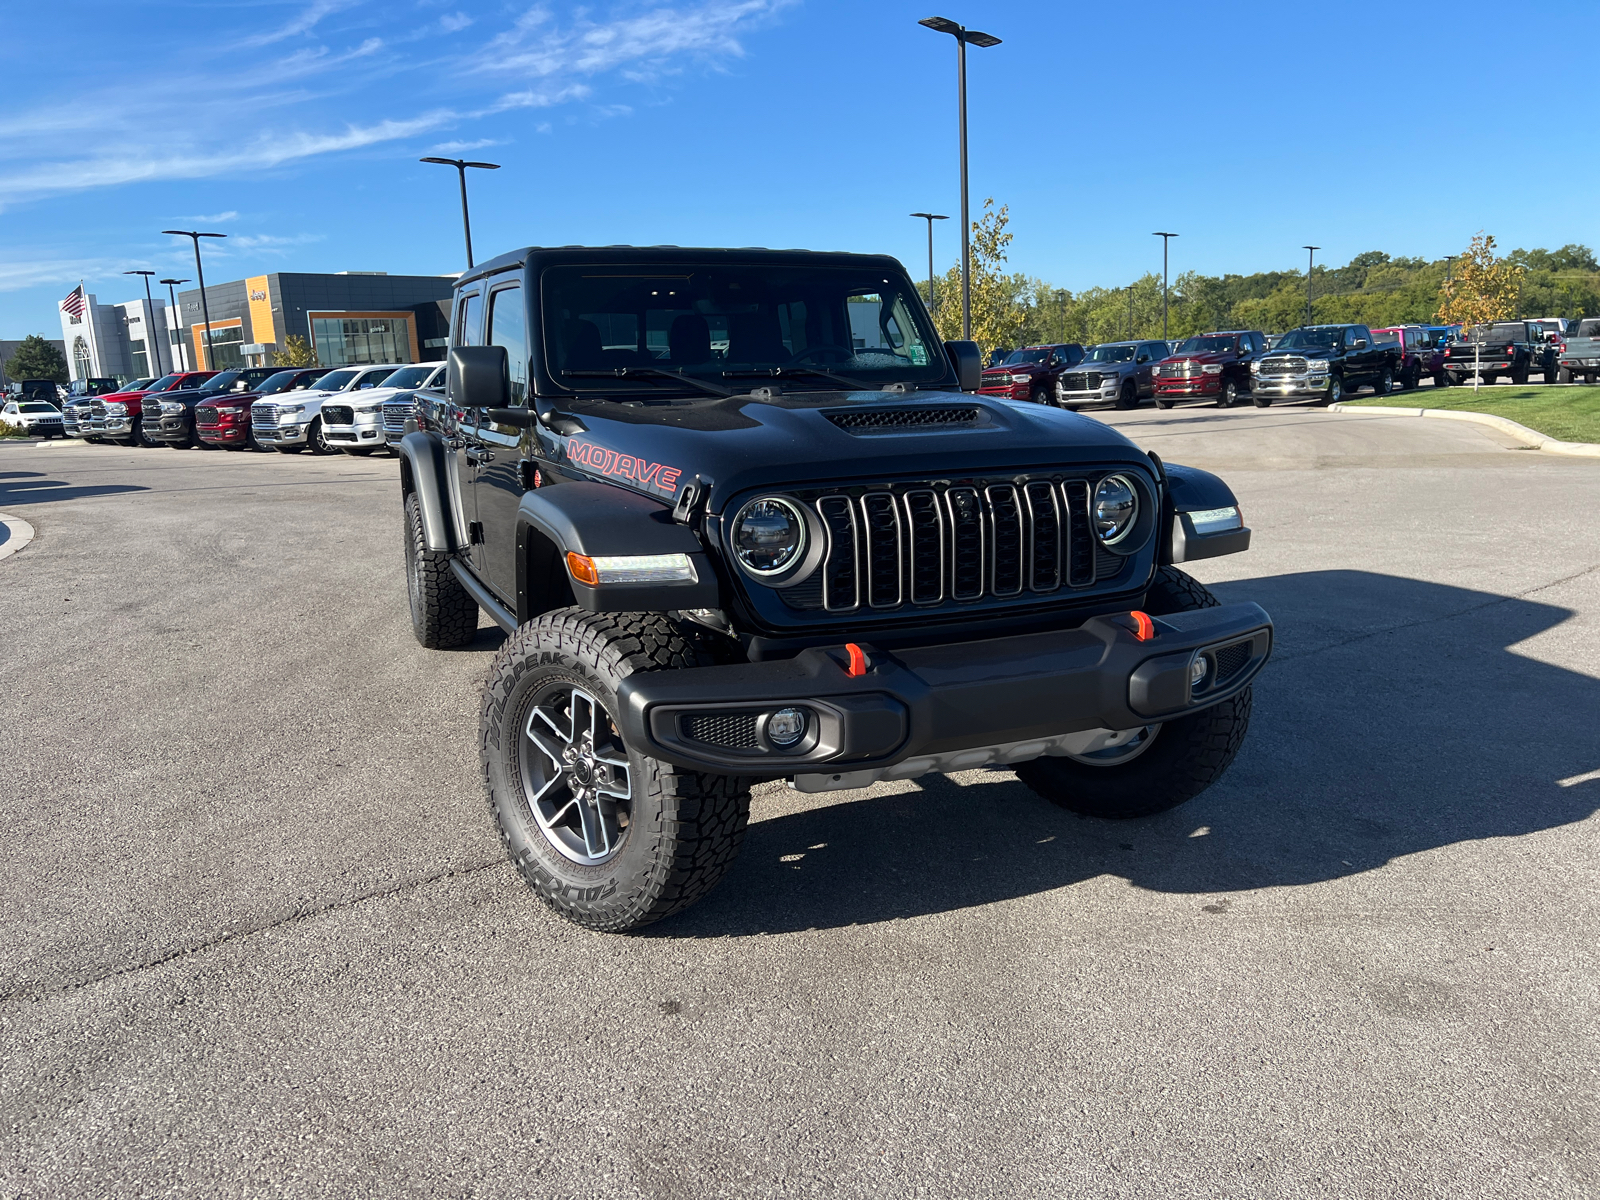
[818, 372]
[652, 373]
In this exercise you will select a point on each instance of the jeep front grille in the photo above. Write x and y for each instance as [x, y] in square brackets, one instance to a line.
[922, 545]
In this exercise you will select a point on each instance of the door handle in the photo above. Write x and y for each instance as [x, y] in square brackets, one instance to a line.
[480, 456]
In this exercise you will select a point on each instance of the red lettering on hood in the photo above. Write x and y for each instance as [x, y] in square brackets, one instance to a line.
[623, 466]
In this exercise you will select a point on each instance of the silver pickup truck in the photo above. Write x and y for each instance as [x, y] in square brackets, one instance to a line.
[1582, 353]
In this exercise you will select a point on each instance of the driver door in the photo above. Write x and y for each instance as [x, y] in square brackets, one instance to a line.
[459, 427]
[498, 446]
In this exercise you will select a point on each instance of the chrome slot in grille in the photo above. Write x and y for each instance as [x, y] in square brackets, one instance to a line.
[263, 414]
[927, 545]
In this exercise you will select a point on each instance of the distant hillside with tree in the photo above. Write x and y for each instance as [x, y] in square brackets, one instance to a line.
[1013, 308]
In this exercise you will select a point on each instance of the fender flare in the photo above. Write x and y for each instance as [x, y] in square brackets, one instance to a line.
[422, 470]
[1191, 490]
[594, 519]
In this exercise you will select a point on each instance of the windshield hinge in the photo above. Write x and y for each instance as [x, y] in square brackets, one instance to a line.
[691, 501]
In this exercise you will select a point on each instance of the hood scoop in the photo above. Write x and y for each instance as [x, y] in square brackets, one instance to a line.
[909, 420]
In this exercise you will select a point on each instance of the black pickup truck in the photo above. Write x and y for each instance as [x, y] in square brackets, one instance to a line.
[1512, 348]
[1324, 363]
[732, 539]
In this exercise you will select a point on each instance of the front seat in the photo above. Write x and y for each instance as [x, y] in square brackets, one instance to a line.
[689, 341]
[584, 350]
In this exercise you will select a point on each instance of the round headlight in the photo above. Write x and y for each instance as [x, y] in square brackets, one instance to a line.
[1116, 508]
[768, 535]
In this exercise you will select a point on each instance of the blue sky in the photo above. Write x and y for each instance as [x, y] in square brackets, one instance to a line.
[1251, 129]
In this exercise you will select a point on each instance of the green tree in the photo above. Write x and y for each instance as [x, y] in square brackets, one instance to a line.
[296, 352]
[1483, 289]
[1000, 302]
[37, 359]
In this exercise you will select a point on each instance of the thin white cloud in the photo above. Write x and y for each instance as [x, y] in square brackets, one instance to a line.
[222, 218]
[454, 22]
[462, 147]
[270, 243]
[305, 22]
[14, 276]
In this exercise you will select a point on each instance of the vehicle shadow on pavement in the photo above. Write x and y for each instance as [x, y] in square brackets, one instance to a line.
[1395, 718]
[32, 487]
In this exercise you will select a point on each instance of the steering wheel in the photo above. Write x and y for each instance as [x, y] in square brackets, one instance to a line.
[844, 353]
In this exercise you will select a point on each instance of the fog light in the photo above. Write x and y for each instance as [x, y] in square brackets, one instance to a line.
[1197, 671]
[786, 727]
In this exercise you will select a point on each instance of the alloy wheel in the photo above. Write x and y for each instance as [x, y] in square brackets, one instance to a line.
[575, 775]
[1118, 748]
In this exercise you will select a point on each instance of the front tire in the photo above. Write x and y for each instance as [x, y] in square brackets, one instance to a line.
[1128, 397]
[315, 439]
[1385, 384]
[1230, 394]
[443, 614]
[609, 838]
[1164, 765]
[1335, 392]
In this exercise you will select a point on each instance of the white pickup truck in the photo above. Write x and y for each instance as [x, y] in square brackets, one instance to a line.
[290, 425]
[1581, 355]
[356, 425]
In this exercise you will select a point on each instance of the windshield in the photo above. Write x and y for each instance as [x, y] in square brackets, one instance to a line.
[285, 381]
[334, 380]
[374, 378]
[222, 382]
[1311, 339]
[1507, 333]
[1588, 328]
[1027, 356]
[1206, 345]
[709, 321]
[36, 408]
[163, 384]
[410, 377]
[1110, 354]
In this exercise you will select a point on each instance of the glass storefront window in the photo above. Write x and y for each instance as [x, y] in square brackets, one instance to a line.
[223, 354]
[358, 341]
[141, 362]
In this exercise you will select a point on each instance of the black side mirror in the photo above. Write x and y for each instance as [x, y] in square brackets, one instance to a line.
[968, 362]
[479, 377]
[1359, 344]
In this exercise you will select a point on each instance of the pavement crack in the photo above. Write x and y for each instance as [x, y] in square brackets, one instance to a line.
[1451, 616]
[222, 939]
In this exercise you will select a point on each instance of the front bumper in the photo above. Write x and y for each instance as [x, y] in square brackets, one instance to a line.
[280, 435]
[1289, 385]
[223, 435]
[1203, 385]
[169, 427]
[1097, 395]
[943, 707]
[362, 433]
[112, 427]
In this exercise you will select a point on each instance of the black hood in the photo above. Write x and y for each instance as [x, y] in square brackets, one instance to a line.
[825, 438]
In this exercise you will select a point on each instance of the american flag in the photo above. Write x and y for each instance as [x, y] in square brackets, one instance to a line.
[74, 302]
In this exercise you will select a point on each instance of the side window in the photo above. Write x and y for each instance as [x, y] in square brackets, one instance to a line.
[1361, 331]
[507, 328]
[465, 332]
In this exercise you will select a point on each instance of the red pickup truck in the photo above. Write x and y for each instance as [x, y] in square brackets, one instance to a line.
[1209, 366]
[119, 417]
[1031, 373]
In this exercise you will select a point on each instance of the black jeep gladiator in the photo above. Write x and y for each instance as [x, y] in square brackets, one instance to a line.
[1324, 363]
[743, 520]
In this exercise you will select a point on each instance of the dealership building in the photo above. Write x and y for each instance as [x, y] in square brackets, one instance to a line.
[346, 318]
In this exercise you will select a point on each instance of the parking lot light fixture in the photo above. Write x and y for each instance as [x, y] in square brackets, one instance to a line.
[205, 309]
[1165, 239]
[1311, 257]
[930, 218]
[461, 166]
[172, 298]
[150, 307]
[964, 37]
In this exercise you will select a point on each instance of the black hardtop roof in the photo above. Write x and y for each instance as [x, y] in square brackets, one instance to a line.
[1222, 333]
[552, 255]
[1334, 325]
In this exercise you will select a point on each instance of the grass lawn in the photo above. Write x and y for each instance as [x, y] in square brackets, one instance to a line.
[1569, 413]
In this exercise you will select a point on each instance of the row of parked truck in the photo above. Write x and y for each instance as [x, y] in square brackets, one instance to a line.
[359, 410]
[1319, 362]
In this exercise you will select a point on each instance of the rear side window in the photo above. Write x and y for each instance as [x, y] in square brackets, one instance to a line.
[466, 330]
[508, 328]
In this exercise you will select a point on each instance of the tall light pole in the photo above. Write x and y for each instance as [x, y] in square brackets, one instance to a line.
[963, 37]
[1311, 257]
[173, 297]
[150, 308]
[461, 166]
[930, 218]
[1165, 239]
[205, 309]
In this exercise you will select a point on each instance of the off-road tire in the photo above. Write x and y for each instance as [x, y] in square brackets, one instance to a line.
[443, 613]
[1520, 378]
[1563, 375]
[1410, 378]
[685, 827]
[1187, 755]
[1441, 379]
[1486, 379]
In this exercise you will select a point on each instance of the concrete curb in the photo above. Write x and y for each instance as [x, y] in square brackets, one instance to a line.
[1528, 437]
[18, 534]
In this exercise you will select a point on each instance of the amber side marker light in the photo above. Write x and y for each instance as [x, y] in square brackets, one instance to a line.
[631, 568]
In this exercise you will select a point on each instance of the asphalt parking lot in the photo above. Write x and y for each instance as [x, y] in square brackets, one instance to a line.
[258, 937]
